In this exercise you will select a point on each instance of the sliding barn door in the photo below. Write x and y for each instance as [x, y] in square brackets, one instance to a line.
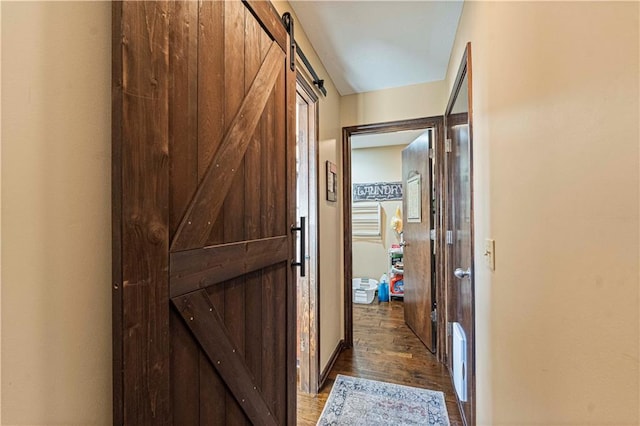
[204, 201]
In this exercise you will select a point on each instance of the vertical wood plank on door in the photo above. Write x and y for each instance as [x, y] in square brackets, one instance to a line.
[279, 170]
[211, 119]
[233, 209]
[267, 206]
[271, 279]
[211, 91]
[234, 52]
[145, 201]
[183, 150]
[253, 337]
[211, 104]
[280, 321]
[213, 391]
[185, 373]
[268, 338]
[234, 319]
[253, 167]
[183, 111]
[269, 187]
[253, 210]
[212, 394]
[265, 44]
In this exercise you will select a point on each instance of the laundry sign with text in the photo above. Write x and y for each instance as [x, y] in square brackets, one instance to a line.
[377, 191]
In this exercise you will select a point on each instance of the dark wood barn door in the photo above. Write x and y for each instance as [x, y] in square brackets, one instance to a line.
[204, 201]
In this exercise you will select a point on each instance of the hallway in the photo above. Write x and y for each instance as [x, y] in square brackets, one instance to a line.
[385, 350]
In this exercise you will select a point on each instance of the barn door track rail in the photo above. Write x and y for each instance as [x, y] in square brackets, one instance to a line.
[287, 20]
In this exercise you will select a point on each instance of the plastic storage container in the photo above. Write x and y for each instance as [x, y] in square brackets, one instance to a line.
[364, 290]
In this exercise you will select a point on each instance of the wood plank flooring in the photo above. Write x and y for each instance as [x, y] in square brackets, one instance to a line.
[385, 349]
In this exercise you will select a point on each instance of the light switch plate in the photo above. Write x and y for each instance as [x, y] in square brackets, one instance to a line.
[490, 253]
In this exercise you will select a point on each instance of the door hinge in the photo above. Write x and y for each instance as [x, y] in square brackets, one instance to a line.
[432, 234]
[434, 315]
[449, 237]
[449, 328]
[447, 145]
[431, 153]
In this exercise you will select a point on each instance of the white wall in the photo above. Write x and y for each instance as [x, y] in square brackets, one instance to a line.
[56, 213]
[556, 158]
[330, 215]
[383, 164]
[399, 103]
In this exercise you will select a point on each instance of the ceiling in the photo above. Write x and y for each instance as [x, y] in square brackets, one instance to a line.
[377, 140]
[373, 45]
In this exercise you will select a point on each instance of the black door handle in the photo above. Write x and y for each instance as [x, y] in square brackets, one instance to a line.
[303, 240]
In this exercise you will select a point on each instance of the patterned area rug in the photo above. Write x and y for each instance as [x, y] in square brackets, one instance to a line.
[355, 401]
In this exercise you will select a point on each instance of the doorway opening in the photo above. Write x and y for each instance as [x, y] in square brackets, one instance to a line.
[308, 322]
[377, 224]
[431, 326]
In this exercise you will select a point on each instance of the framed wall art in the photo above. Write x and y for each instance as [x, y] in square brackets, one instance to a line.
[414, 200]
[332, 181]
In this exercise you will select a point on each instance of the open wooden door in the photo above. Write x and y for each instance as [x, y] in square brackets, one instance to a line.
[204, 308]
[418, 249]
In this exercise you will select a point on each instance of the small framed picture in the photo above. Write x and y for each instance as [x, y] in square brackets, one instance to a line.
[332, 181]
[414, 199]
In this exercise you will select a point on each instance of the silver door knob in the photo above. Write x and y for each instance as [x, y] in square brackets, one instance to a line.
[403, 244]
[461, 273]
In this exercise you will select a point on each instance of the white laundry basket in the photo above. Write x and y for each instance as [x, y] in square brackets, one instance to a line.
[364, 290]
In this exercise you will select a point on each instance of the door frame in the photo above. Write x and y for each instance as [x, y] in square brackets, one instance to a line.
[436, 123]
[464, 69]
[312, 316]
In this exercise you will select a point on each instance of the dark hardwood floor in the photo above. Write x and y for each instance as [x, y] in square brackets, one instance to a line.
[384, 349]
